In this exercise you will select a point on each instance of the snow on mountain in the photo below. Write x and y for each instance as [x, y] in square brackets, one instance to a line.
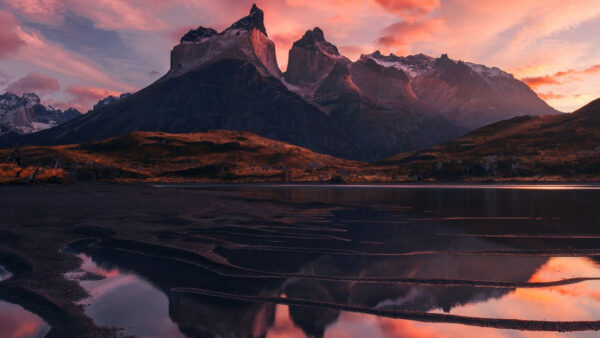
[413, 65]
[26, 114]
[466, 93]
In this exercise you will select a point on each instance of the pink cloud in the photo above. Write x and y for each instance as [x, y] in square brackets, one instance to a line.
[84, 97]
[52, 57]
[106, 14]
[10, 42]
[401, 35]
[175, 34]
[34, 83]
[353, 52]
[409, 8]
[551, 96]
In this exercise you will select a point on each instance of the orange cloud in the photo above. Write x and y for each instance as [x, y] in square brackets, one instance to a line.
[551, 96]
[10, 41]
[554, 79]
[409, 8]
[537, 81]
[86, 96]
[401, 35]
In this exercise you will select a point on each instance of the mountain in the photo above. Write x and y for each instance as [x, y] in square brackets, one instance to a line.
[228, 80]
[555, 147]
[468, 94]
[375, 105]
[26, 114]
[367, 109]
[224, 156]
[109, 100]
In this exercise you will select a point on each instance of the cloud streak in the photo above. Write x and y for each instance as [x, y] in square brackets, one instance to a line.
[34, 83]
[559, 77]
[10, 42]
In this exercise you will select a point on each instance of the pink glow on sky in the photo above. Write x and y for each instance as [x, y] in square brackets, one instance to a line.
[123, 45]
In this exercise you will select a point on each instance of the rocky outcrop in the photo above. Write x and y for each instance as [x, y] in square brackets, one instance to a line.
[311, 59]
[109, 100]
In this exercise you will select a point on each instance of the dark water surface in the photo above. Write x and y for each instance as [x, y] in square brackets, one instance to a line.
[16, 322]
[432, 261]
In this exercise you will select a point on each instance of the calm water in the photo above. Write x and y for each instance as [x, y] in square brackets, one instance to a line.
[16, 322]
[430, 261]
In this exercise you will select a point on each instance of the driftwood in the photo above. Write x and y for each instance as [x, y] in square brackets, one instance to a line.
[16, 157]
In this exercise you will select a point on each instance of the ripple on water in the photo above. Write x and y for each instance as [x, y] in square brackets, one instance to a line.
[4, 274]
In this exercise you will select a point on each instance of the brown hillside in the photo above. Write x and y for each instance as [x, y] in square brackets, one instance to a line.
[557, 147]
[154, 156]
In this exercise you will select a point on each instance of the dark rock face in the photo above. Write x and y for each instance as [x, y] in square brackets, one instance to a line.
[254, 20]
[198, 34]
[26, 114]
[311, 59]
[314, 38]
[228, 94]
[109, 100]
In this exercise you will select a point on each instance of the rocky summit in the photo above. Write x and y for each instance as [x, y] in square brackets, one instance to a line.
[26, 114]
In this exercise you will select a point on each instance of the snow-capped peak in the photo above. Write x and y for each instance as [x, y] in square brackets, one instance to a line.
[26, 114]
[413, 65]
[488, 71]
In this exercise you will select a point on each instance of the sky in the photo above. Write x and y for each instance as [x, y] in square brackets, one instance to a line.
[76, 52]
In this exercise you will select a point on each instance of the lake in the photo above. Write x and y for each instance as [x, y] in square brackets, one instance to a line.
[340, 261]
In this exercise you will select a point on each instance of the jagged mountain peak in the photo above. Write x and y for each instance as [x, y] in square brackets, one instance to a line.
[256, 19]
[315, 39]
[195, 35]
[311, 59]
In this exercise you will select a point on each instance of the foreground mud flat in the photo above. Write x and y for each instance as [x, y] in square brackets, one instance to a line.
[268, 260]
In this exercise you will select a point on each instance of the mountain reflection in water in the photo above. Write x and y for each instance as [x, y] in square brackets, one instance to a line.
[477, 254]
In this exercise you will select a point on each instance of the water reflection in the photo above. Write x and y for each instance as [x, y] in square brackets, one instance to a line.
[16, 322]
[438, 253]
[123, 299]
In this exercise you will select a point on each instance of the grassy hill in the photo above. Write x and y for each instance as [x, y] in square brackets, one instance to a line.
[556, 148]
[215, 156]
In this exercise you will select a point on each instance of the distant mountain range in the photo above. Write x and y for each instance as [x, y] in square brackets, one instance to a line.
[370, 109]
[26, 114]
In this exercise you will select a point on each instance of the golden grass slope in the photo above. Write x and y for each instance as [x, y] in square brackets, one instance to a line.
[214, 156]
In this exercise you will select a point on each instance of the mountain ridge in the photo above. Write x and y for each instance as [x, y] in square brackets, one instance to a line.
[364, 110]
